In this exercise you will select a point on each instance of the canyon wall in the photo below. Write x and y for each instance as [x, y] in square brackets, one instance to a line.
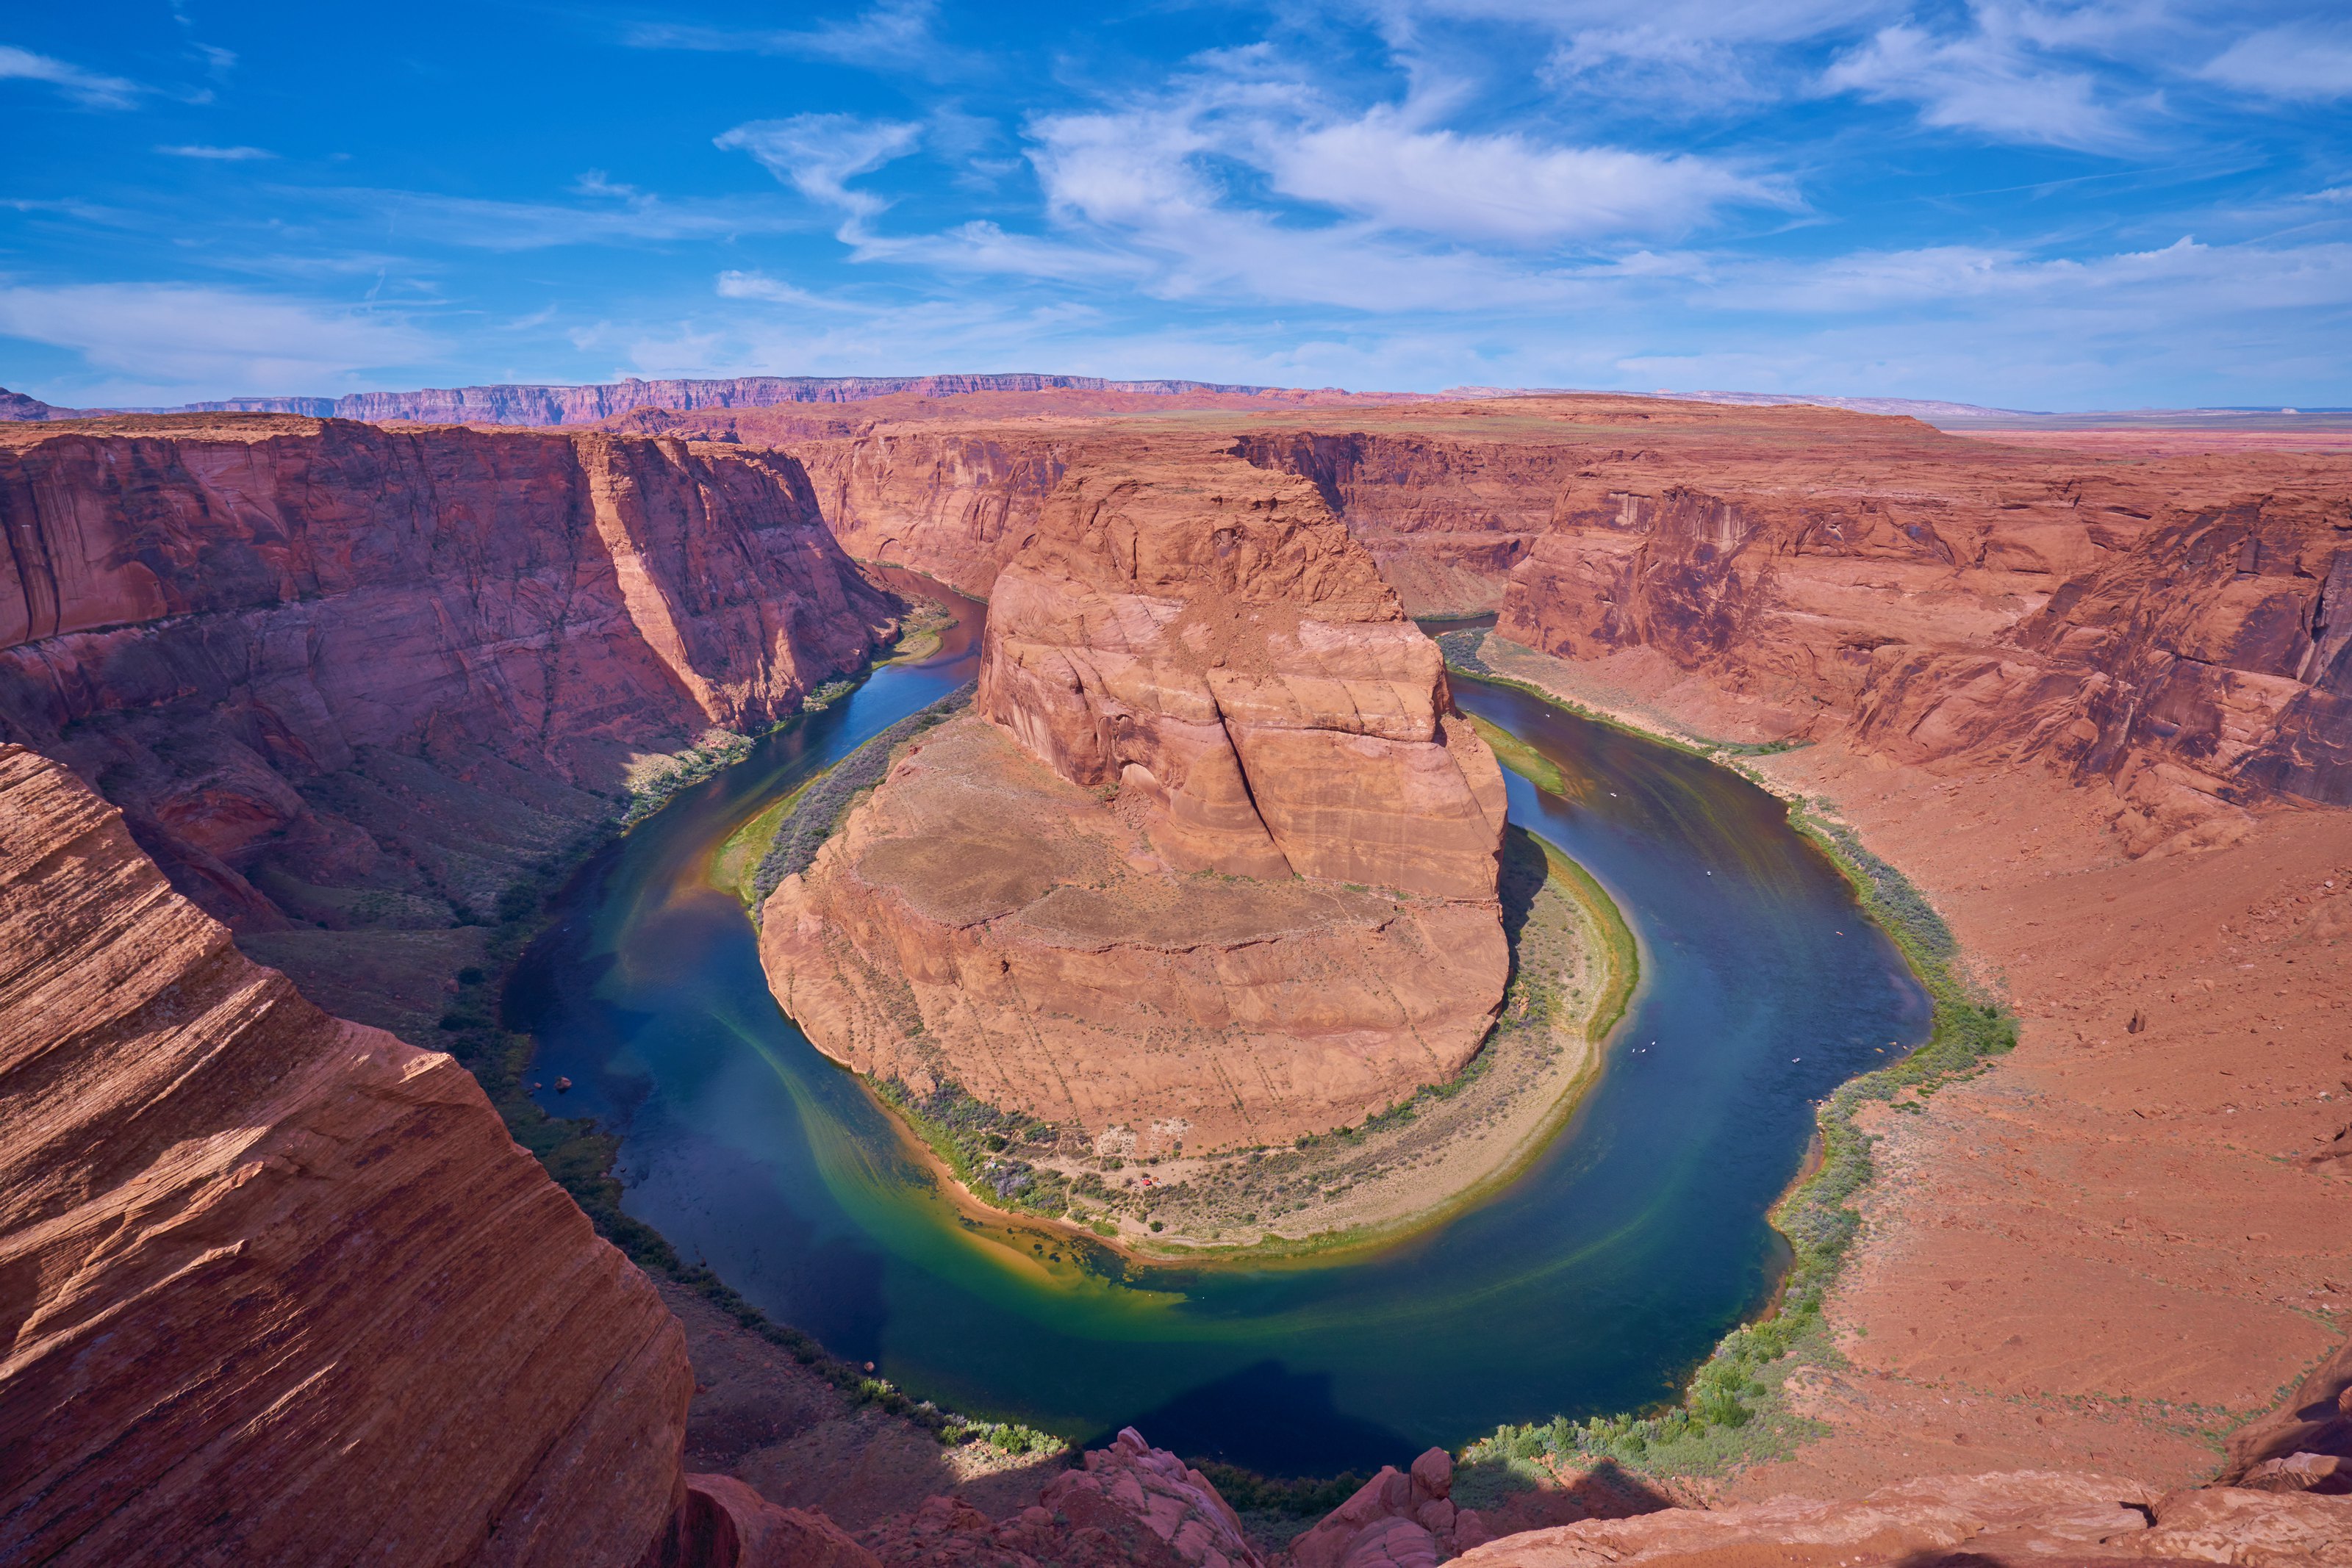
[1446, 518]
[336, 675]
[1212, 641]
[955, 506]
[280, 1287]
[1214, 862]
[2178, 630]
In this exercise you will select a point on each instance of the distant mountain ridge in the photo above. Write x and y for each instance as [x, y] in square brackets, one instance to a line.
[525, 405]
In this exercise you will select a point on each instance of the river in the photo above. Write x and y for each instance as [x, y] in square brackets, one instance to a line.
[1592, 1284]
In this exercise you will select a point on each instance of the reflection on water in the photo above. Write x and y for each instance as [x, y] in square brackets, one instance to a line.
[1592, 1284]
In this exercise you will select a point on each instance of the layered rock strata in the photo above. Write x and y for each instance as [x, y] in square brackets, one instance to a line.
[1218, 864]
[1130, 1506]
[282, 1289]
[1997, 1518]
[1398, 1519]
[345, 680]
[2189, 649]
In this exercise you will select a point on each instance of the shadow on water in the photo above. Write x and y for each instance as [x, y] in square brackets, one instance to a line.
[1593, 1283]
[1288, 1413]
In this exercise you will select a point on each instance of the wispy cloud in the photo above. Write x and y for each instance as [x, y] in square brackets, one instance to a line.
[895, 32]
[89, 88]
[818, 154]
[608, 214]
[1504, 187]
[1989, 78]
[169, 336]
[2296, 62]
[218, 154]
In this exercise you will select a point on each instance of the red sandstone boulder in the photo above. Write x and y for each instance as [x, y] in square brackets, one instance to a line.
[1407, 1519]
[723, 1524]
[1132, 1506]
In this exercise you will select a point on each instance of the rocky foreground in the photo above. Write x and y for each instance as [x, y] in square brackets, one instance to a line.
[1212, 864]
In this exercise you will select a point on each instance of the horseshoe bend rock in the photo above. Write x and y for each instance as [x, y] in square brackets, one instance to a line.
[1212, 862]
[282, 1289]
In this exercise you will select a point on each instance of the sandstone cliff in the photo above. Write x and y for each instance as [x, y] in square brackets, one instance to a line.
[342, 677]
[2179, 635]
[1222, 869]
[282, 1289]
[1214, 642]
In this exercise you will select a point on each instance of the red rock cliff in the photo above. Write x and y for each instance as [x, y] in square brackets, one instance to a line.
[281, 644]
[280, 1289]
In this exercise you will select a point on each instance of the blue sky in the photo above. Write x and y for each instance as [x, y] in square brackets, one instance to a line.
[2111, 203]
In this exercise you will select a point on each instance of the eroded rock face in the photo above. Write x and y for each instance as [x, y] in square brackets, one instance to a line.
[1215, 642]
[1131, 1506]
[1222, 869]
[282, 1288]
[2181, 635]
[1403, 1518]
[2014, 1517]
[320, 664]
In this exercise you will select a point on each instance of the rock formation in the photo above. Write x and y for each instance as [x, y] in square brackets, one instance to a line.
[1220, 646]
[282, 1288]
[1131, 1506]
[1999, 1520]
[1408, 1519]
[723, 1524]
[1221, 868]
[338, 676]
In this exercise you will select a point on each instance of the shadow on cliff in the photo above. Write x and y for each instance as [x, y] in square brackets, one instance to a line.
[1510, 1499]
[1268, 1418]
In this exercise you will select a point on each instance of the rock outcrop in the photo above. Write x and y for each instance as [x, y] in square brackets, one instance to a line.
[1132, 1506]
[723, 1524]
[2000, 1518]
[1397, 1519]
[280, 1287]
[1217, 644]
[1221, 870]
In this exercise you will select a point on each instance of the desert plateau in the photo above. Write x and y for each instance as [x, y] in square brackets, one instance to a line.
[659, 911]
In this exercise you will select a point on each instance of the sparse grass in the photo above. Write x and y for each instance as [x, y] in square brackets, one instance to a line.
[818, 806]
[654, 778]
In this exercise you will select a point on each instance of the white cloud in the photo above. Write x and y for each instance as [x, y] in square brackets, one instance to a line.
[2293, 62]
[1990, 80]
[817, 154]
[174, 338]
[774, 291]
[1503, 187]
[218, 154]
[87, 87]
